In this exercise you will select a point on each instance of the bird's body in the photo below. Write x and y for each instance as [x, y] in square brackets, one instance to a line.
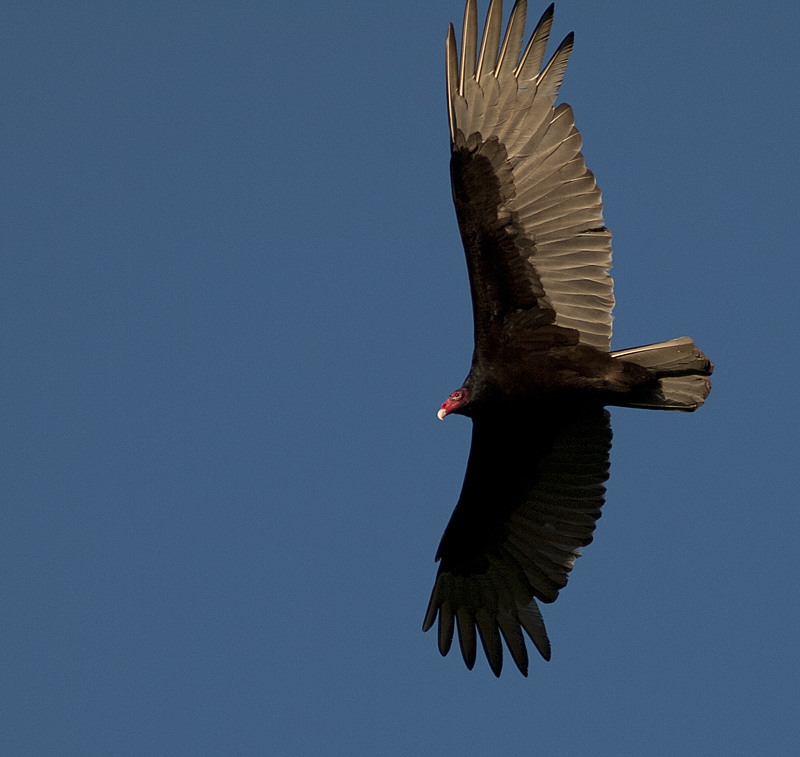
[533, 375]
[538, 254]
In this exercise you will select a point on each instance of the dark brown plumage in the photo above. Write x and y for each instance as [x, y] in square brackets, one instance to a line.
[538, 254]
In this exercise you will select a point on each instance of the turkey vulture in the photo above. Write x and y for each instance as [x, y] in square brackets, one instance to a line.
[538, 254]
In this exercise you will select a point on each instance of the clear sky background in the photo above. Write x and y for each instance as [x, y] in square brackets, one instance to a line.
[233, 298]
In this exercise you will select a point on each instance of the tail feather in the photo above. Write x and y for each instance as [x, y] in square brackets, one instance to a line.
[682, 370]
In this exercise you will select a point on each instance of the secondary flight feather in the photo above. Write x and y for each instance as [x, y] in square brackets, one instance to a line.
[538, 253]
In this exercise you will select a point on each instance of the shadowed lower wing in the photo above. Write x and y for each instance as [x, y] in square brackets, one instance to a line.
[532, 493]
[529, 211]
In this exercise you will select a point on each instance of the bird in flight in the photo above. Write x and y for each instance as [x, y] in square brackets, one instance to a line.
[538, 254]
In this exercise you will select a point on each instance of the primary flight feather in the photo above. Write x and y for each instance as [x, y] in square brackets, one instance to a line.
[531, 220]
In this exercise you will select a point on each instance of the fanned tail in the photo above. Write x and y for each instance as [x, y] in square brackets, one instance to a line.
[682, 370]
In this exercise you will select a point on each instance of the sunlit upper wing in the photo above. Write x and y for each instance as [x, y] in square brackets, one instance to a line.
[532, 493]
[529, 211]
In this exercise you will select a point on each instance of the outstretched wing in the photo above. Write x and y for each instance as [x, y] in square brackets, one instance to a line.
[532, 493]
[529, 211]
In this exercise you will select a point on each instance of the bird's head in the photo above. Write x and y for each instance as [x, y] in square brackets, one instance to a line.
[454, 403]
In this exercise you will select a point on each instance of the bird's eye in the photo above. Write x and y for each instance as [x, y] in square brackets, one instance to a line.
[455, 396]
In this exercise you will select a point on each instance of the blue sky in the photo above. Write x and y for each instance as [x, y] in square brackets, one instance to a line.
[233, 299]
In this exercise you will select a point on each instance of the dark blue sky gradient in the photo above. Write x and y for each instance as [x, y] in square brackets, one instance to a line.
[233, 298]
